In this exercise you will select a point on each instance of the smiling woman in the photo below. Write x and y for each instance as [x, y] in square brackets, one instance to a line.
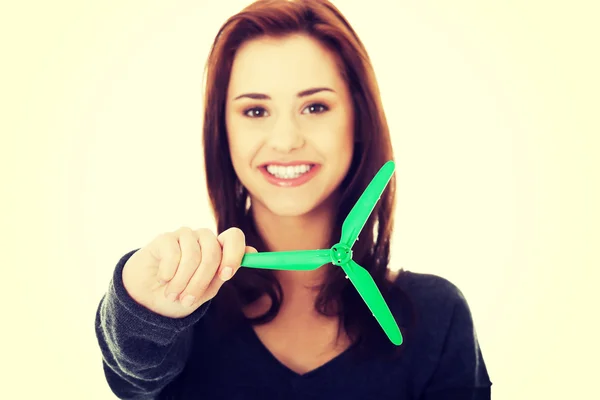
[294, 131]
[303, 115]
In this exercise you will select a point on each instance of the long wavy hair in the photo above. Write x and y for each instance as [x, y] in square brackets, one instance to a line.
[321, 20]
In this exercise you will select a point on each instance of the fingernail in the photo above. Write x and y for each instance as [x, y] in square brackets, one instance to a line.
[161, 282]
[172, 297]
[226, 273]
[188, 300]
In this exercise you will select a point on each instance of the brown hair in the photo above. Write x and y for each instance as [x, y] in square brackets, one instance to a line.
[322, 21]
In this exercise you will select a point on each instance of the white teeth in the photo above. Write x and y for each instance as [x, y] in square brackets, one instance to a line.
[290, 172]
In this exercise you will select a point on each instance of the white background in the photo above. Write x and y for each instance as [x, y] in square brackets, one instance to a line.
[493, 108]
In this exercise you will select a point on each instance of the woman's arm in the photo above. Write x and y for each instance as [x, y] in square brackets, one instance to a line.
[142, 351]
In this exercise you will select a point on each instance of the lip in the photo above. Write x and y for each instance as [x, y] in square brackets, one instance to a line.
[301, 180]
[287, 164]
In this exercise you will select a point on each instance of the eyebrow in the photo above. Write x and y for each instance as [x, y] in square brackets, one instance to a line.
[307, 92]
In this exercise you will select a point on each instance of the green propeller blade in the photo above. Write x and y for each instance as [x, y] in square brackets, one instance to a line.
[358, 216]
[371, 295]
[300, 260]
[341, 255]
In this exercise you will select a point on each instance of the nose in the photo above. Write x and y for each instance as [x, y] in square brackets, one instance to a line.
[286, 135]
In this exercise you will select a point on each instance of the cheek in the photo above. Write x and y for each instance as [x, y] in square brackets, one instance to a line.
[234, 137]
[240, 159]
[239, 151]
[337, 136]
[345, 142]
[242, 148]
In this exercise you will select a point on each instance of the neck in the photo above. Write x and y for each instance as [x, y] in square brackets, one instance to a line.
[309, 231]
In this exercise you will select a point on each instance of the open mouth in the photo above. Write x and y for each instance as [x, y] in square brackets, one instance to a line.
[291, 172]
[289, 176]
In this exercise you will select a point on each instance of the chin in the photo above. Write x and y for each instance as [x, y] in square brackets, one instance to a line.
[305, 199]
[289, 207]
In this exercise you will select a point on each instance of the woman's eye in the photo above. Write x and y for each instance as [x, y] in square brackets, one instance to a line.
[255, 112]
[316, 108]
[258, 112]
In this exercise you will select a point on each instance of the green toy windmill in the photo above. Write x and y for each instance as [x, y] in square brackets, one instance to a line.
[341, 255]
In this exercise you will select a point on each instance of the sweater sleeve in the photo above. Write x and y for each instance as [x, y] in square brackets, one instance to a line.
[142, 352]
[461, 373]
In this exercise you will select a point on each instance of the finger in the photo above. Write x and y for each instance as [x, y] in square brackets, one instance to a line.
[211, 259]
[217, 282]
[234, 248]
[191, 257]
[233, 242]
[167, 254]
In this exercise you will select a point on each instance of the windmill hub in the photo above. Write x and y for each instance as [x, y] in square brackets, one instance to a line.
[340, 254]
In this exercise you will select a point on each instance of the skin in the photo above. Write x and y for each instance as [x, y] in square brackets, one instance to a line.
[317, 128]
[284, 127]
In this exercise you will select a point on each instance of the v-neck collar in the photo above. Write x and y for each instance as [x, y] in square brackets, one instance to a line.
[284, 369]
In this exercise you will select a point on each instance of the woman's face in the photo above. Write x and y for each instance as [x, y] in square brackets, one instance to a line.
[287, 104]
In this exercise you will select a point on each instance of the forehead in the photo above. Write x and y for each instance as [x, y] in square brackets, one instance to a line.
[292, 63]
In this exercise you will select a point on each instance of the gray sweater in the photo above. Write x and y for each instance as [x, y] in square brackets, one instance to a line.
[149, 356]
